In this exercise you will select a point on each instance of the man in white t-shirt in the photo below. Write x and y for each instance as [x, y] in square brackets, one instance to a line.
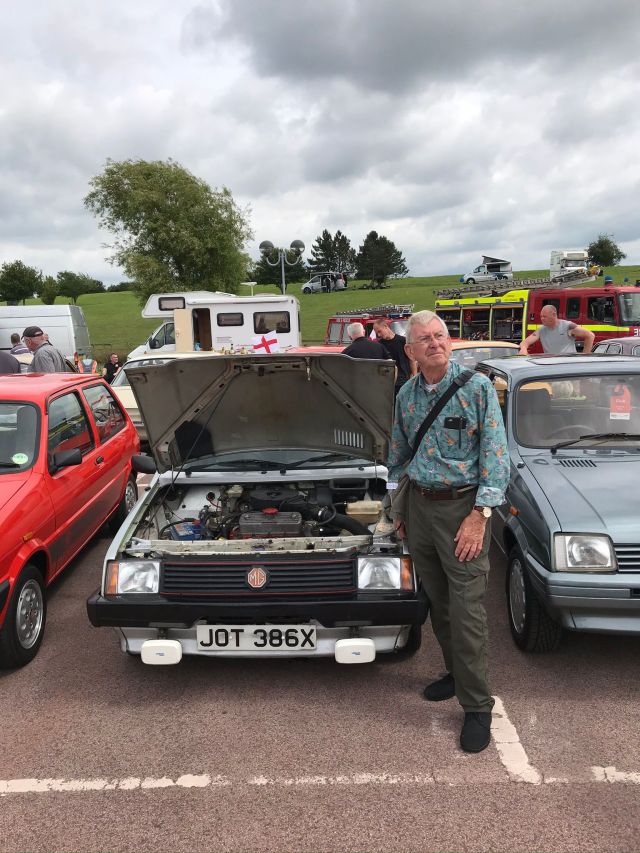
[558, 337]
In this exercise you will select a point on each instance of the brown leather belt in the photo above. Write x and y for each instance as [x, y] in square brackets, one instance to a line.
[451, 494]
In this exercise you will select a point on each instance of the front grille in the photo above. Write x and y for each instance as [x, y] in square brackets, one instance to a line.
[628, 557]
[226, 577]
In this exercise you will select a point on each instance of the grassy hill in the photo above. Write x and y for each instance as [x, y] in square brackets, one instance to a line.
[115, 324]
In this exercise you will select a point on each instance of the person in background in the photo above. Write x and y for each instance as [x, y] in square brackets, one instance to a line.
[17, 347]
[111, 368]
[457, 476]
[396, 347]
[46, 358]
[558, 337]
[84, 364]
[362, 347]
[9, 363]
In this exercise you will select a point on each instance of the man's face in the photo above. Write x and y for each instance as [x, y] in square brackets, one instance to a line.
[32, 343]
[114, 359]
[430, 345]
[383, 331]
[548, 318]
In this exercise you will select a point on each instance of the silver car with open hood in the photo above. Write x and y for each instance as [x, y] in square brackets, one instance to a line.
[264, 531]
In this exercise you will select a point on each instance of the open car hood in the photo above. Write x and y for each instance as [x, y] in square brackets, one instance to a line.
[323, 402]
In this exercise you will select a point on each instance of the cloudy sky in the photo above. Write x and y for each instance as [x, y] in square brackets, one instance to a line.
[456, 128]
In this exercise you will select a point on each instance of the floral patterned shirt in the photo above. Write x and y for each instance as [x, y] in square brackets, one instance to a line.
[466, 445]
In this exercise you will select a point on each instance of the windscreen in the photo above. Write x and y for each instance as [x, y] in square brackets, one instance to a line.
[470, 356]
[121, 379]
[629, 304]
[18, 436]
[550, 411]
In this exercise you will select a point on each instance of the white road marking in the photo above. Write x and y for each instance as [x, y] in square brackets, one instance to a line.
[205, 780]
[610, 774]
[511, 752]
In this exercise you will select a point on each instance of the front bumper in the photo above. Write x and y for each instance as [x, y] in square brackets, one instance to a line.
[156, 611]
[606, 603]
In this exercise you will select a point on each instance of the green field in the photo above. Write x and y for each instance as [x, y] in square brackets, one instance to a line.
[115, 324]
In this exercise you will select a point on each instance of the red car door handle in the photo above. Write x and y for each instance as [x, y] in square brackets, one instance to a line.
[99, 460]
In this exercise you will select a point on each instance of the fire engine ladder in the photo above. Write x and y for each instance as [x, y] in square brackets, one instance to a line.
[378, 311]
[498, 288]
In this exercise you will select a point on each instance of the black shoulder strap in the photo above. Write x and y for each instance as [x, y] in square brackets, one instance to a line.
[460, 380]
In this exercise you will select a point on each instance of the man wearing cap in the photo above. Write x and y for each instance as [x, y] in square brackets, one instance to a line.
[46, 358]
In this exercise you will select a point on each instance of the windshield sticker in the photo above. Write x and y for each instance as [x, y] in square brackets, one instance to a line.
[620, 404]
[20, 458]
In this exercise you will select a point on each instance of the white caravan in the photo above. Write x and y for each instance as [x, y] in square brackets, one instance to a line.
[568, 262]
[64, 324]
[218, 322]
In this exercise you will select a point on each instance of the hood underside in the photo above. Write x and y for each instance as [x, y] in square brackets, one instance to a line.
[326, 402]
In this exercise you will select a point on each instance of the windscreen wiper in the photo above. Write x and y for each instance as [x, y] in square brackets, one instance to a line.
[600, 436]
[9, 465]
[322, 458]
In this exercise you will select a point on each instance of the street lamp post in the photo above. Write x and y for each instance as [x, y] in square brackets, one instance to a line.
[267, 248]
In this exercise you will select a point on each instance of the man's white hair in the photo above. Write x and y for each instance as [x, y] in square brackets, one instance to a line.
[423, 318]
[355, 330]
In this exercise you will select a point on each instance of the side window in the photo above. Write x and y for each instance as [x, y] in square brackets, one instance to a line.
[573, 308]
[614, 349]
[229, 318]
[68, 425]
[271, 321]
[636, 351]
[600, 308]
[554, 302]
[106, 412]
[334, 332]
[500, 384]
[170, 333]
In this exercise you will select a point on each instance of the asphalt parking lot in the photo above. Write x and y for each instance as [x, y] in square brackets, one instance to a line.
[102, 753]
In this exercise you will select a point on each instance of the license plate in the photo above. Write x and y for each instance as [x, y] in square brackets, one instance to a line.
[256, 638]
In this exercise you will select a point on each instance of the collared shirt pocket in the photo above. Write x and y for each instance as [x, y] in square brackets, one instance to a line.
[453, 438]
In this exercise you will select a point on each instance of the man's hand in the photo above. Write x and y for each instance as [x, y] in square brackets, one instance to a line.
[400, 530]
[470, 536]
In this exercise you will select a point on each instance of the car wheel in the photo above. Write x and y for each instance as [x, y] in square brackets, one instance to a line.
[23, 629]
[470, 281]
[532, 629]
[126, 504]
[306, 290]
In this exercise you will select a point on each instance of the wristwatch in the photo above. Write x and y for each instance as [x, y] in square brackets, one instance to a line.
[485, 511]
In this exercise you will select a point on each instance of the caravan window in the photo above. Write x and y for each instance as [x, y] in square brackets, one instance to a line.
[271, 321]
[230, 319]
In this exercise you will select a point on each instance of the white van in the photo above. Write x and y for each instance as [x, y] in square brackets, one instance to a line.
[218, 322]
[325, 282]
[64, 324]
[568, 262]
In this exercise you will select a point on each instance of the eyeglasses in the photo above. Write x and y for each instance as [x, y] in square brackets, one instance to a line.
[438, 338]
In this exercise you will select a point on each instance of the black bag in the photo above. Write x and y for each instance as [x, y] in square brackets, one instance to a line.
[400, 495]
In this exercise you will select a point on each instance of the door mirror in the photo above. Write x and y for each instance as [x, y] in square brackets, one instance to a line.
[65, 458]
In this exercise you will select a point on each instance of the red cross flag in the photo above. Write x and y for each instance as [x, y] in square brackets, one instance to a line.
[266, 343]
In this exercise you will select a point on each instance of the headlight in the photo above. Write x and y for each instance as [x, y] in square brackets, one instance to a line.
[382, 572]
[584, 553]
[132, 576]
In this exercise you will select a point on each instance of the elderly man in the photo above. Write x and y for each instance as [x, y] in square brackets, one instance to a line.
[558, 337]
[459, 472]
[46, 358]
[361, 347]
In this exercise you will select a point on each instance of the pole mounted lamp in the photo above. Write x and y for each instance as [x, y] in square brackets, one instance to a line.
[296, 249]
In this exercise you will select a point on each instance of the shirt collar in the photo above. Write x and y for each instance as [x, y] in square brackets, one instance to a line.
[444, 383]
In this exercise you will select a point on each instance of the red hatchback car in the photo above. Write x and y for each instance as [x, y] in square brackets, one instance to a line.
[65, 468]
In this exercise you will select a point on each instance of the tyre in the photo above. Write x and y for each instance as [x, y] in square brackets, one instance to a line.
[126, 504]
[306, 290]
[23, 629]
[470, 281]
[532, 629]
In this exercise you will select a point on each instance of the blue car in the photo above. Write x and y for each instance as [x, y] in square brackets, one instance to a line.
[571, 524]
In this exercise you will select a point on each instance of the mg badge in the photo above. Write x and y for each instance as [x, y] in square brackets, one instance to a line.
[257, 577]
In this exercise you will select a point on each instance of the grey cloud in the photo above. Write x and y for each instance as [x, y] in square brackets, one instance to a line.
[397, 46]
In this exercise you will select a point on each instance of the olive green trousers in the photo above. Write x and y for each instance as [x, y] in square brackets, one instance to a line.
[455, 590]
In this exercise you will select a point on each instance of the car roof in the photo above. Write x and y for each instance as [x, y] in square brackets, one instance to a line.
[40, 385]
[628, 339]
[536, 365]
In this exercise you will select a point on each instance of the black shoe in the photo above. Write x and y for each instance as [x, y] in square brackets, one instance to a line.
[443, 688]
[476, 731]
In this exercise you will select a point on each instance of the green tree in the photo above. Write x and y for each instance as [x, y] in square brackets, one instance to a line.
[332, 254]
[73, 285]
[378, 258]
[19, 282]
[264, 273]
[172, 231]
[49, 290]
[604, 252]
